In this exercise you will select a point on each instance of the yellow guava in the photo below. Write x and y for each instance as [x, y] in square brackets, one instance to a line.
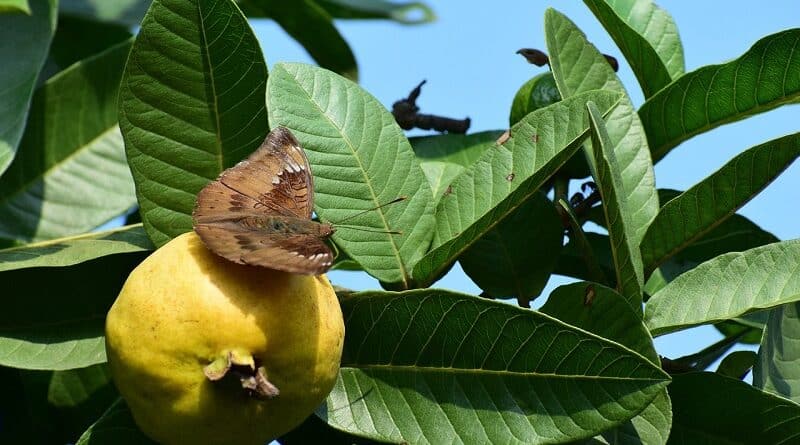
[205, 351]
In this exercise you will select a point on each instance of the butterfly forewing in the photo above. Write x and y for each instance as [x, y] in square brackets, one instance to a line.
[258, 212]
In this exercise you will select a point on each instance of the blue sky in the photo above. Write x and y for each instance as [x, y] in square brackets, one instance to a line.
[468, 58]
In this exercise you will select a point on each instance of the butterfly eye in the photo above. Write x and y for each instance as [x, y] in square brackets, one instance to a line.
[277, 225]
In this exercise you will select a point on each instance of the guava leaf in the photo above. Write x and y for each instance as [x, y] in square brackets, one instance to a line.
[76, 249]
[776, 369]
[607, 173]
[516, 257]
[647, 36]
[727, 286]
[78, 38]
[56, 320]
[572, 262]
[711, 408]
[22, 59]
[70, 175]
[191, 104]
[78, 397]
[505, 176]
[311, 26]
[445, 156]
[407, 13]
[604, 312]
[123, 12]
[765, 77]
[577, 67]
[14, 6]
[115, 426]
[710, 202]
[433, 366]
[360, 160]
[737, 364]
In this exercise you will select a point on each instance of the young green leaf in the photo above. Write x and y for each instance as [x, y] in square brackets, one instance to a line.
[647, 36]
[407, 13]
[711, 408]
[763, 78]
[122, 12]
[70, 175]
[443, 157]
[737, 364]
[604, 312]
[727, 286]
[76, 249]
[505, 176]
[55, 320]
[14, 6]
[709, 203]
[311, 26]
[191, 105]
[360, 160]
[433, 366]
[621, 225]
[22, 59]
[577, 67]
[776, 369]
[115, 426]
[516, 257]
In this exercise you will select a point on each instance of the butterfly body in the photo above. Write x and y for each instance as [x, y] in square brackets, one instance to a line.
[259, 211]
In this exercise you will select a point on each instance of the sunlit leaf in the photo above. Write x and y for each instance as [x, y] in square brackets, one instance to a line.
[191, 105]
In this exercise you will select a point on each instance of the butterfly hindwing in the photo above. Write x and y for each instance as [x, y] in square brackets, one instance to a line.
[301, 252]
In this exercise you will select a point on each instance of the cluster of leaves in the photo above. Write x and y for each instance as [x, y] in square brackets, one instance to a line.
[420, 365]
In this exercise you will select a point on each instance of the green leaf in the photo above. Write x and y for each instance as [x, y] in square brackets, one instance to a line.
[483, 194]
[115, 426]
[78, 397]
[538, 92]
[581, 241]
[408, 13]
[11, 6]
[24, 40]
[604, 312]
[79, 38]
[311, 26]
[776, 369]
[727, 286]
[75, 249]
[572, 261]
[713, 409]
[443, 157]
[191, 105]
[711, 201]
[621, 225]
[577, 67]
[123, 12]
[360, 159]
[314, 430]
[765, 77]
[70, 175]
[56, 320]
[647, 36]
[516, 257]
[433, 366]
[737, 364]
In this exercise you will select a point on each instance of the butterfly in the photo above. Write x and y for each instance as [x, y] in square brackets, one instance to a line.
[258, 212]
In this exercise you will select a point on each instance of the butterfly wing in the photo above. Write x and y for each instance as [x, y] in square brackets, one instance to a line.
[275, 180]
[304, 253]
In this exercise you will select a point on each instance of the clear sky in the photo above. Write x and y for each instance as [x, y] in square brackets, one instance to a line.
[468, 58]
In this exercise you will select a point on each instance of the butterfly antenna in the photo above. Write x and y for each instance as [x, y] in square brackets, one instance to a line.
[390, 232]
[398, 199]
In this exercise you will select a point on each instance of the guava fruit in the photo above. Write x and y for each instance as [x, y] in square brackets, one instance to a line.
[206, 351]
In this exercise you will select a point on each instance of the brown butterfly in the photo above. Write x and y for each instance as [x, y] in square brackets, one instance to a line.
[258, 212]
